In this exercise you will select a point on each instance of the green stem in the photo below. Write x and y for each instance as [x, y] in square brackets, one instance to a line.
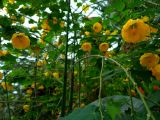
[79, 85]
[72, 76]
[66, 61]
[8, 105]
[132, 107]
[100, 90]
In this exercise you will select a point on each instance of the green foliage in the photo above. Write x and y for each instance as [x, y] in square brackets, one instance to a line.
[48, 46]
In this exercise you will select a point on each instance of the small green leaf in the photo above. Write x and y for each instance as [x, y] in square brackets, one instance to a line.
[118, 5]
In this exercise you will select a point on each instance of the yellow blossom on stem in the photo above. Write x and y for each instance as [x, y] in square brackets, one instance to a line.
[7, 86]
[39, 63]
[11, 1]
[87, 33]
[20, 41]
[56, 75]
[62, 24]
[97, 27]
[107, 32]
[26, 108]
[86, 46]
[45, 25]
[46, 74]
[55, 20]
[103, 47]
[3, 52]
[29, 91]
[149, 60]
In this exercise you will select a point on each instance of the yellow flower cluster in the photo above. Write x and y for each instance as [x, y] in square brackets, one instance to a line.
[151, 61]
[20, 41]
[87, 33]
[62, 24]
[7, 86]
[135, 31]
[56, 75]
[26, 108]
[11, 1]
[41, 63]
[3, 52]
[55, 20]
[86, 46]
[45, 26]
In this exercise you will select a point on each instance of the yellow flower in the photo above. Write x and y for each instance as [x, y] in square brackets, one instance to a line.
[43, 34]
[41, 87]
[103, 47]
[13, 18]
[85, 8]
[135, 31]
[107, 54]
[97, 27]
[86, 46]
[45, 25]
[87, 33]
[29, 91]
[1, 76]
[46, 74]
[39, 63]
[107, 32]
[56, 75]
[156, 70]
[44, 62]
[62, 56]
[7, 86]
[149, 60]
[133, 92]
[41, 41]
[55, 20]
[45, 55]
[36, 49]
[126, 80]
[157, 76]
[3, 52]
[33, 28]
[22, 19]
[62, 24]
[34, 85]
[20, 41]
[115, 32]
[26, 108]
[145, 18]
[75, 73]
[11, 1]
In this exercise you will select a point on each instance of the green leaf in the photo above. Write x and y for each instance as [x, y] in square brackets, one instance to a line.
[79, 4]
[118, 5]
[88, 113]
